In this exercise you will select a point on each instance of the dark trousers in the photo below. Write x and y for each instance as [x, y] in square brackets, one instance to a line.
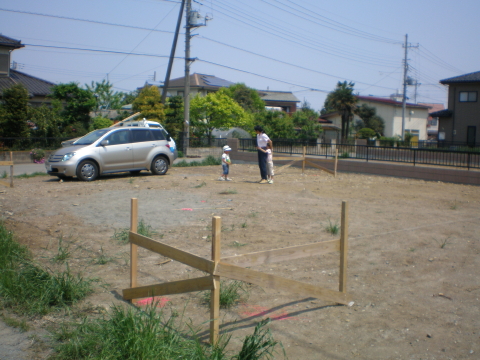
[262, 163]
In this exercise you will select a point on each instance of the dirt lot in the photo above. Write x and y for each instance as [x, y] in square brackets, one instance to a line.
[413, 253]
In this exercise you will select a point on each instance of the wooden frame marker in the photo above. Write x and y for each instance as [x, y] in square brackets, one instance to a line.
[306, 161]
[8, 163]
[235, 267]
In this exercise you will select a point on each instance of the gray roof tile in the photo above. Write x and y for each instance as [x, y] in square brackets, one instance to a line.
[9, 42]
[35, 86]
[472, 77]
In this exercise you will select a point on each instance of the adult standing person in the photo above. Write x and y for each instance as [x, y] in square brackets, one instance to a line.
[262, 141]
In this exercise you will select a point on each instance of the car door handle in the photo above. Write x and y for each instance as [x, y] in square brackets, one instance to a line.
[153, 145]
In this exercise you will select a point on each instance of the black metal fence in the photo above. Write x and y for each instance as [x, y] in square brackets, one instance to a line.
[22, 144]
[424, 156]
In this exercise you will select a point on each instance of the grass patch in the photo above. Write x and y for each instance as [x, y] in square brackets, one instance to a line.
[231, 292]
[228, 192]
[30, 289]
[132, 333]
[102, 259]
[454, 206]
[237, 244]
[4, 175]
[142, 229]
[20, 324]
[208, 161]
[253, 214]
[63, 252]
[344, 155]
[26, 176]
[332, 228]
[442, 243]
[203, 183]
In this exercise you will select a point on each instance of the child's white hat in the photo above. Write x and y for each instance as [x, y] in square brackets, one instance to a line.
[227, 148]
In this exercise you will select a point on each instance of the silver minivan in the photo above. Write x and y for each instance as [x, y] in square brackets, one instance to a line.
[112, 150]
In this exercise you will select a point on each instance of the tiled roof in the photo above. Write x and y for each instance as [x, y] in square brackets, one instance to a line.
[35, 86]
[433, 107]
[267, 95]
[388, 101]
[9, 42]
[472, 77]
[202, 81]
[441, 113]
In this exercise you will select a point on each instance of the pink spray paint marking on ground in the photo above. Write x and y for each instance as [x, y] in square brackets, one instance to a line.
[162, 301]
[187, 209]
[261, 311]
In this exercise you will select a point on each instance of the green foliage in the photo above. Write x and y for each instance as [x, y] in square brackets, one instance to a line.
[105, 97]
[277, 124]
[174, 114]
[100, 123]
[28, 288]
[77, 102]
[344, 101]
[369, 119]
[306, 119]
[133, 333]
[148, 102]
[231, 292]
[246, 97]
[142, 229]
[332, 228]
[217, 110]
[366, 133]
[38, 155]
[210, 160]
[388, 141]
[14, 112]
[27, 176]
[47, 120]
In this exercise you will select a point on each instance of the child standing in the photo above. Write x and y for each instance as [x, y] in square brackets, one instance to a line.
[269, 152]
[226, 163]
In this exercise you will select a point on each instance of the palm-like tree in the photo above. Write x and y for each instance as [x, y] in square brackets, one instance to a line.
[344, 101]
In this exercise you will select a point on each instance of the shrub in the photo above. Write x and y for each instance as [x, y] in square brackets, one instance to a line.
[37, 156]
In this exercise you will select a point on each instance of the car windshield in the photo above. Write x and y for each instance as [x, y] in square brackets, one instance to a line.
[92, 137]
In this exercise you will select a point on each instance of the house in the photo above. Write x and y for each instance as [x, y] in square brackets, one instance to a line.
[283, 99]
[203, 84]
[390, 110]
[432, 122]
[460, 122]
[330, 127]
[38, 89]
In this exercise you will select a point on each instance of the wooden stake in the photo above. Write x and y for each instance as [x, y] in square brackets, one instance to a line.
[215, 292]
[343, 249]
[11, 170]
[303, 162]
[133, 247]
[336, 161]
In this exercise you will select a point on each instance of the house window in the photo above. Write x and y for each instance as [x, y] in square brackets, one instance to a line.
[468, 96]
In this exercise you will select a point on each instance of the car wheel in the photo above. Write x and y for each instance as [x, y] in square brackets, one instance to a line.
[135, 172]
[159, 165]
[87, 170]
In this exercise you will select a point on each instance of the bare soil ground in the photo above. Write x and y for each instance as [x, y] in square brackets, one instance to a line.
[413, 253]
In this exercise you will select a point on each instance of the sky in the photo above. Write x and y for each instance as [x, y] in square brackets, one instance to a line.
[302, 46]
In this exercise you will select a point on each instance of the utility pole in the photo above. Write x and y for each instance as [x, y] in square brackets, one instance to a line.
[405, 80]
[172, 54]
[186, 90]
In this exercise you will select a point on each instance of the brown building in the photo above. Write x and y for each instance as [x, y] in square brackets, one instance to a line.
[38, 89]
[460, 122]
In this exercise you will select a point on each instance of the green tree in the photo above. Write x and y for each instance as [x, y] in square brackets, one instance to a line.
[344, 101]
[47, 120]
[306, 120]
[366, 133]
[15, 112]
[246, 97]
[174, 116]
[216, 111]
[277, 124]
[100, 123]
[77, 103]
[369, 119]
[148, 102]
[105, 97]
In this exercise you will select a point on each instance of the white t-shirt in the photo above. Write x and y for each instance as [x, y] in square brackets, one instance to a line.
[225, 158]
[262, 140]
[269, 155]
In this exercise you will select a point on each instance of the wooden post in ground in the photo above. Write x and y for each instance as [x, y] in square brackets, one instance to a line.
[303, 162]
[133, 247]
[10, 163]
[215, 292]
[336, 161]
[343, 248]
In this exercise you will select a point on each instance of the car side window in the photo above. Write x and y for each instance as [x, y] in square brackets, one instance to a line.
[142, 135]
[158, 134]
[119, 137]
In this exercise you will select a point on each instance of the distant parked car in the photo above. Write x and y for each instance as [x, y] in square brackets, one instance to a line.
[111, 150]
